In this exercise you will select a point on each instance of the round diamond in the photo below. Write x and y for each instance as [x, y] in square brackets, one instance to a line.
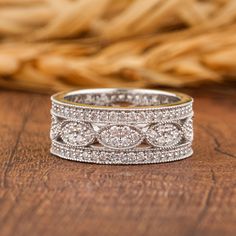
[164, 135]
[77, 133]
[120, 136]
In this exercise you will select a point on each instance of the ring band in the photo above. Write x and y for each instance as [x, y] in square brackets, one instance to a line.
[121, 126]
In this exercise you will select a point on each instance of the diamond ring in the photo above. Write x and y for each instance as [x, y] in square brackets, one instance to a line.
[121, 126]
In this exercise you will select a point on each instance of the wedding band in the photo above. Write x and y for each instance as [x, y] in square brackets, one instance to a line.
[121, 126]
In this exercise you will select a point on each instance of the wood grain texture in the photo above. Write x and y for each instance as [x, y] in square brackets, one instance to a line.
[45, 195]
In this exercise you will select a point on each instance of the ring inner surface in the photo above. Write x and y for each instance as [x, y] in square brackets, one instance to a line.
[122, 98]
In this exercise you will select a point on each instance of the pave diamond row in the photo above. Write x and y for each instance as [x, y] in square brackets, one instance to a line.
[111, 116]
[108, 99]
[106, 156]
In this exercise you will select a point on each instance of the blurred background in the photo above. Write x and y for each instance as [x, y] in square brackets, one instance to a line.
[51, 45]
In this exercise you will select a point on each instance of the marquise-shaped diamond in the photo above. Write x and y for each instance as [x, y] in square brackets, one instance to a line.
[188, 129]
[55, 127]
[120, 136]
[164, 135]
[77, 133]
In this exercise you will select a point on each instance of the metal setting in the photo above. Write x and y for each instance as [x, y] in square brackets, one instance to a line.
[121, 126]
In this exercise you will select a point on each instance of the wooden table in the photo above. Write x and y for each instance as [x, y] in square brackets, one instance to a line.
[44, 195]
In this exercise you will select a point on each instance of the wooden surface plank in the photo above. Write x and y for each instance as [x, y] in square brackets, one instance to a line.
[44, 195]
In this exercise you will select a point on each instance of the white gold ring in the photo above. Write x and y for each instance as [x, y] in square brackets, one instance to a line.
[121, 126]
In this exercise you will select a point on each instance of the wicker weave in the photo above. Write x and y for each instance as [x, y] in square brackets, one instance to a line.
[57, 44]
